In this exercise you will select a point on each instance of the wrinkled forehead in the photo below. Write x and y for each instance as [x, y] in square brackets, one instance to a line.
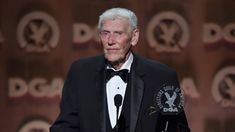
[116, 19]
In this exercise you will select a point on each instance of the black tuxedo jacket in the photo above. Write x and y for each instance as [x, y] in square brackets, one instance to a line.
[83, 102]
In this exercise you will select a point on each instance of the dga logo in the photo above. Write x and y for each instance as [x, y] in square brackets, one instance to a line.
[38, 32]
[169, 100]
[223, 88]
[213, 33]
[168, 32]
[37, 87]
[35, 126]
[84, 33]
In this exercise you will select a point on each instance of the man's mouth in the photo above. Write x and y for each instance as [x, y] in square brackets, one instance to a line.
[112, 49]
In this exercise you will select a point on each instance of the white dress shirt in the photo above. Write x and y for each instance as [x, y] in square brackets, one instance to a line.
[116, 86]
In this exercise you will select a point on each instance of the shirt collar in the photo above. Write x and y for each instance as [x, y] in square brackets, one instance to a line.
[126, 65]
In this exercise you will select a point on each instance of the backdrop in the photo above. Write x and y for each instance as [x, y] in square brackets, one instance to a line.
[39, 39]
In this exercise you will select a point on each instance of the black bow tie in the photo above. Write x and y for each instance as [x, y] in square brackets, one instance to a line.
[122, 73]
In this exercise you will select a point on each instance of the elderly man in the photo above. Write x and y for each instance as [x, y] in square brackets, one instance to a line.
[117, 91]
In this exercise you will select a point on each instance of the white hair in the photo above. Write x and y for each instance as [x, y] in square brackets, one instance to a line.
[118, 13]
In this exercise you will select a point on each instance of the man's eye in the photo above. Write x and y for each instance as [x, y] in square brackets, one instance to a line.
[104, 33]
[118, 33]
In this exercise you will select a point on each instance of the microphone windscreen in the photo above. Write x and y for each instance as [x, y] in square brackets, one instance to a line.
[118, 100]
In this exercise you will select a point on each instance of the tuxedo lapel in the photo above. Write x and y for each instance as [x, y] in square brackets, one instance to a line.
[137, 90]
[101, 96]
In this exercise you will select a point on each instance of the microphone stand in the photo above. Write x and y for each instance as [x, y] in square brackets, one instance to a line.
[166, 127]
[117, 119]
[117, 102]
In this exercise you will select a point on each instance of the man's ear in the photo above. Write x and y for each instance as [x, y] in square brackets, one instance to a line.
[135, 37]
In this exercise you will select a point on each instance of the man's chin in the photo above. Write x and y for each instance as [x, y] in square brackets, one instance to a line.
[112, 60]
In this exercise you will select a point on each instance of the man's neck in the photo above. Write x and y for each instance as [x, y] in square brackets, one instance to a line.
[123, 64]
[117, 65]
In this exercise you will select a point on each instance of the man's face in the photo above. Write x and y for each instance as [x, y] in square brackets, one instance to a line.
[117, 38]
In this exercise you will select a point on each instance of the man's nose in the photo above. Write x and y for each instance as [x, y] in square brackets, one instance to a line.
[111, 39]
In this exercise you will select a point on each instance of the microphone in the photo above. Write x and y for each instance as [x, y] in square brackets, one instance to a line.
[166, 127]
[118, 103]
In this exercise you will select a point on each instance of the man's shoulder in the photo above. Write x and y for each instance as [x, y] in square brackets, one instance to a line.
[90, 59]
[88, 62]
[154, 65]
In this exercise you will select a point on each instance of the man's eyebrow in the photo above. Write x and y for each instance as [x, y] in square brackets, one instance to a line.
[119, 32]
[105, 30]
